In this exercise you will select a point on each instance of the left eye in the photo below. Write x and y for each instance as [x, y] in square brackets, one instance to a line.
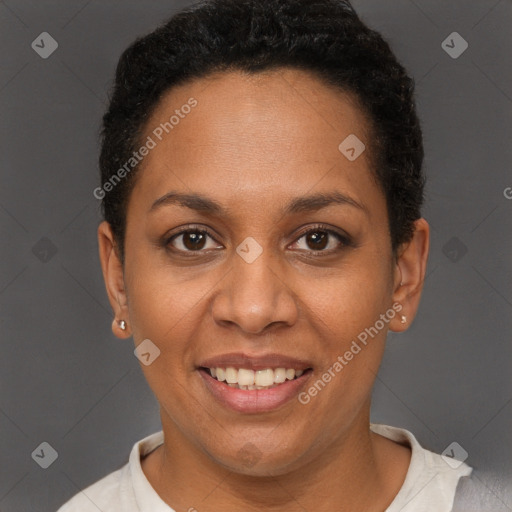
[318, 240]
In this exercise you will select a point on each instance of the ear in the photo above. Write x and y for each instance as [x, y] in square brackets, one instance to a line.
[114, 279]
[409, 275]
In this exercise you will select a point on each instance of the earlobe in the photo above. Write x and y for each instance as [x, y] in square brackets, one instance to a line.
[113, 276]
[120, 328]
[410, 273]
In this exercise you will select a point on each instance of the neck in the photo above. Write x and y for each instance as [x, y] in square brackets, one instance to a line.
[359, 471]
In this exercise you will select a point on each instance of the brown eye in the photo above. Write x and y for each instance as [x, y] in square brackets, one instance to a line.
[322, 240]
[318, 240]
[192, 240]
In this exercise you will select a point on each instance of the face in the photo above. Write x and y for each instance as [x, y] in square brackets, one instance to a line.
[279, 259]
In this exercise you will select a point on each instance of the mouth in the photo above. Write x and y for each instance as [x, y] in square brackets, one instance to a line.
[247, 379]
[254, 385]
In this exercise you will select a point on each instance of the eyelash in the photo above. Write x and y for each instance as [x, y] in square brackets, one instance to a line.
[344, 240]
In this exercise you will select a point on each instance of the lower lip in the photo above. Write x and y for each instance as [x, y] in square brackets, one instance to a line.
[255, 400]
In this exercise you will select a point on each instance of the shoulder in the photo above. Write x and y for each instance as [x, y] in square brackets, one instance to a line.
[105, 494]
[432, 478]
[118, 490]
[468, 494]
[480, 492]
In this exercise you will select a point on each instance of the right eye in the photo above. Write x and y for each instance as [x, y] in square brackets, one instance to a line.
[189, 240]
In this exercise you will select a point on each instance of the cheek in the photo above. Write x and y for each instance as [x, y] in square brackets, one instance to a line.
[346, 309]
[165, 310]
[349, 346]
[351, 297]
[160, 295]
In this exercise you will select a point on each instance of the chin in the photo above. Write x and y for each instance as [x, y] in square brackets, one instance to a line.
[251, 460]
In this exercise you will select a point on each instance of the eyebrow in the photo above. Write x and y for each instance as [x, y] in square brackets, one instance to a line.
[303, 204]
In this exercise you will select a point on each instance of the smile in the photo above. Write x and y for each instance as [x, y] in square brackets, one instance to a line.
[254, 398]
[250, 380]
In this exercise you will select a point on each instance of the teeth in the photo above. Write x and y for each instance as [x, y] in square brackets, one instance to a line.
[254, 379]
[264, 377]
[231, 376]
[280, 375]
[245, 377]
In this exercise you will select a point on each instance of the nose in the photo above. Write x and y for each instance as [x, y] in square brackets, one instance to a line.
[255, 295]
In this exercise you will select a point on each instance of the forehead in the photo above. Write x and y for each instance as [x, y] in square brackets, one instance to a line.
[274, 134]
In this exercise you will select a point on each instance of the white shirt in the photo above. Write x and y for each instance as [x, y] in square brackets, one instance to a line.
[429, 486]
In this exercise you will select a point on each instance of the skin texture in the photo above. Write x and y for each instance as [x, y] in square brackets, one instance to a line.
[253, 143]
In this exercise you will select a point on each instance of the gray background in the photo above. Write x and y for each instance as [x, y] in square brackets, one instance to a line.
[66, 380]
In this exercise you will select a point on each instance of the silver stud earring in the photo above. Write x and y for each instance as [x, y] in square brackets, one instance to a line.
[403, 320]
[122, 325]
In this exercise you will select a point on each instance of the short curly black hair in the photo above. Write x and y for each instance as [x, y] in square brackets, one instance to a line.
[324, 37]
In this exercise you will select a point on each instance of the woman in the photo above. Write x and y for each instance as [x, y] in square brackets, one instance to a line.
[262, 187]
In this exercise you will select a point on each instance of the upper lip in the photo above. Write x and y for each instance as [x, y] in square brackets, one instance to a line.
[255, 362]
